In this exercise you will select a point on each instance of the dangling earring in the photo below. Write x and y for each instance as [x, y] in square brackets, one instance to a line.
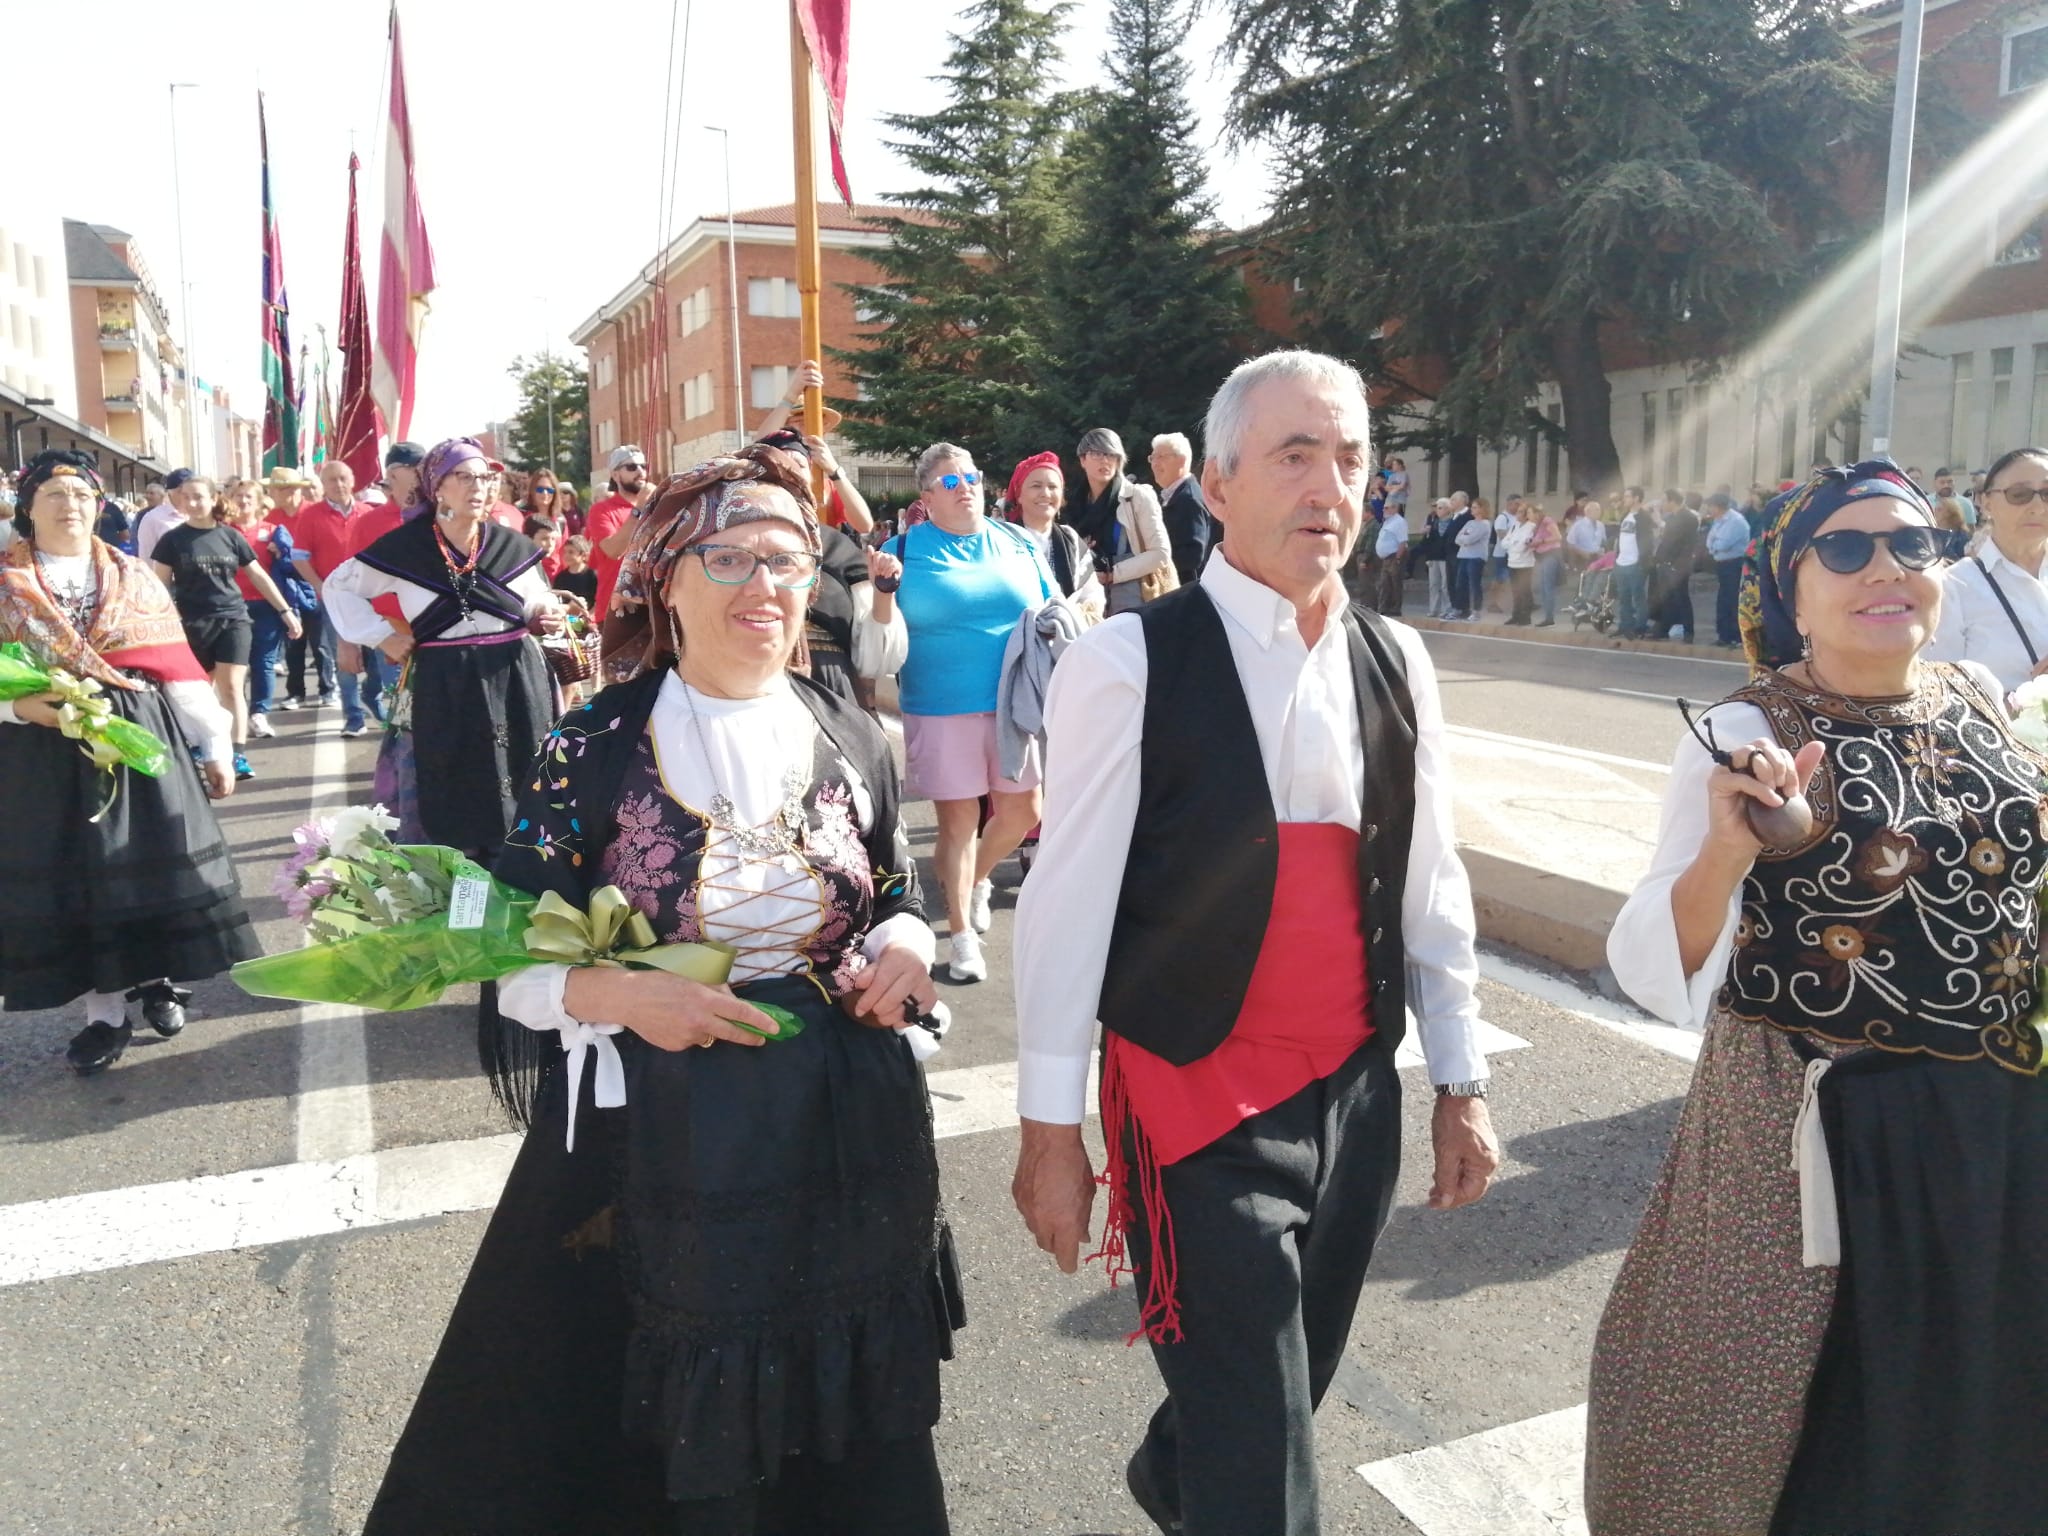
[1806, 647]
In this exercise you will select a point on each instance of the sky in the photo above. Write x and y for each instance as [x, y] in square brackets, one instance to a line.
[538, 140]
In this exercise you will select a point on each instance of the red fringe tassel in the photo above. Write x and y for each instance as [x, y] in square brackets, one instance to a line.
[1159, 1313]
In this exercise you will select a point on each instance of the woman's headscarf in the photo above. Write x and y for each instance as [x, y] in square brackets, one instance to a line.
[51, 464]
[689, 509]
[1770, 635]
[440, 462]
[1022, 473]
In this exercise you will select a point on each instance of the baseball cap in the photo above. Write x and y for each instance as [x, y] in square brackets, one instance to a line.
[623, 455]
[404, 455]
[178, 477]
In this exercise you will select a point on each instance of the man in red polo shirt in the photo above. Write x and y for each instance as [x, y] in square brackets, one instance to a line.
[320, 542]
[607, 525]
[372, 521]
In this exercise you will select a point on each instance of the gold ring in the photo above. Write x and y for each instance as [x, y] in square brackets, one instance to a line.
[705, 1043]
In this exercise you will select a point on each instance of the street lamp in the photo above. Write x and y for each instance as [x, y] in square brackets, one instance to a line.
[185, 286]
[732, 278]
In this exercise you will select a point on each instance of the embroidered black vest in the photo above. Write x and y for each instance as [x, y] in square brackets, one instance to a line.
[1198, 883]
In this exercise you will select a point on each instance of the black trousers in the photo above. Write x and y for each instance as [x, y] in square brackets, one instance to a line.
[1273, 1226]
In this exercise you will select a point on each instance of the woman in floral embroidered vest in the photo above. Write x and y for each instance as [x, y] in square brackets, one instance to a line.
[716, 1292]
[1829, 1320]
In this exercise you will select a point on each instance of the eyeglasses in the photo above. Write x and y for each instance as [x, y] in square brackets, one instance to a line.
[2020, 495]
[471, 477]
[1848, 550]
[730, 565]
[954, 482]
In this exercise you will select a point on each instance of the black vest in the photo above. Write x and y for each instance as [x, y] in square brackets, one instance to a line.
[1198, 884]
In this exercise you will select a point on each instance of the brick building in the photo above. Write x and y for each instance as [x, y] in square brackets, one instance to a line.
[121, 342]
[661, 350]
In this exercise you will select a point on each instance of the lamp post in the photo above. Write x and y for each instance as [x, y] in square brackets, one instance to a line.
[185, 286]
[732, 279]
[1891, 272]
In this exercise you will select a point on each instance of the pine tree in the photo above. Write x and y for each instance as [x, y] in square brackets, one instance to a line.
[1146, 319]
[1476, 188]
[550, 384]
[957, 340]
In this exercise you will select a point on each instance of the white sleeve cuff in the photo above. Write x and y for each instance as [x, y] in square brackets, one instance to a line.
[907, 929]
[1053, 1089]
[533, 997]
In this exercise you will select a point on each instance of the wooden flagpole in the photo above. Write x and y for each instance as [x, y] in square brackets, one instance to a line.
[807, 258]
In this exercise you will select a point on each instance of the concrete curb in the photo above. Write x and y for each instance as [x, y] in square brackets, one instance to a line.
[1560, 635]
[1550, 916]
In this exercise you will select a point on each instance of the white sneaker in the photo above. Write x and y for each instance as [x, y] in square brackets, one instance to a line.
[979, 917]
[259, 725]
[966, 963]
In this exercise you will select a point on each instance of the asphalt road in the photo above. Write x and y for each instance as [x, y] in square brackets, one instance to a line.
[253, 1387]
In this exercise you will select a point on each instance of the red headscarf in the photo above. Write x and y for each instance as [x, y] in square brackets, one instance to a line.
[1023, 472]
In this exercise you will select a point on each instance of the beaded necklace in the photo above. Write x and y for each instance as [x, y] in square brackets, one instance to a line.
[75, 603]
[461, 568]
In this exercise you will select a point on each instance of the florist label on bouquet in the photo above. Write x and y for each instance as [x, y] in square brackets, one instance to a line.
[468, 902]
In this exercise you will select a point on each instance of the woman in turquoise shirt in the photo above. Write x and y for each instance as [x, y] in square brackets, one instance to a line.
[956, 586]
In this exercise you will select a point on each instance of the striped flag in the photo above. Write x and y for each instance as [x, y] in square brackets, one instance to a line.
[405, 272]
[827, 28]
[356, 433]
[280, 401]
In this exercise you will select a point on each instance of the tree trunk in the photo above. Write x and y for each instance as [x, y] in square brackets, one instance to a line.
[1461, 463]
[1588, 406]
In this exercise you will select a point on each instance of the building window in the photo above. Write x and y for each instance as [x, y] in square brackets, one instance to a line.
[1553, 452]
[42, 280]
[697, 399]
[607, 435]
[775, 298]
[1700, 418]
[693, 313]
[1674, 432]
[2026, 59]
[1962, 432]
[2001, 419]
[1649, 468]
[607, 369]
[1530, 447]
[1788, 441]
[770, 386]
[2039, 414]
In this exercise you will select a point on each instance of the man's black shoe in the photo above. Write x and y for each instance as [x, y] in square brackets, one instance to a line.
[1138, 1478]
[98, 1046]
[163, 1006]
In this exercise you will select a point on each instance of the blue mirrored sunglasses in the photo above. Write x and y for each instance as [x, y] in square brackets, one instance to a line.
[953, 482]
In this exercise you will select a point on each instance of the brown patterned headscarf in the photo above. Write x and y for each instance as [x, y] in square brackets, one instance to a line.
[721, 494]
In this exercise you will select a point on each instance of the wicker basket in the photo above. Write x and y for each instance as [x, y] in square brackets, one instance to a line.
[572, 658]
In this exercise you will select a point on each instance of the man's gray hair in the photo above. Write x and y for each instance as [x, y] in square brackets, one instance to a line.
[1229, 411]
[940, 453]
[1175, 442]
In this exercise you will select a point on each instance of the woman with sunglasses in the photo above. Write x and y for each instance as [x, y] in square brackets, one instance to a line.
[718, 1286]
[948, 596]
[473, 594]
[543, 493]
[1994, 606]
[1852, 1342]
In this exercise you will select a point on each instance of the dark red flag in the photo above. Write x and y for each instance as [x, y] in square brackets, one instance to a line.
[357, 432]
[828, 27]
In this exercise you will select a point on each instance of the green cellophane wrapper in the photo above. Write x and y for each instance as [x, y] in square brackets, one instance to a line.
[86, 716]
[490, 931]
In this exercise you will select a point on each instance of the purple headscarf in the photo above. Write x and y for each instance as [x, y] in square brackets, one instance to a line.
[443, 457]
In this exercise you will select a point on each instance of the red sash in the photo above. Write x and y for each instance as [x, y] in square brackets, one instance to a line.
[1307, 1009]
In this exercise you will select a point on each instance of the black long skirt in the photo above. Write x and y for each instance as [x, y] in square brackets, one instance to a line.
[148, 890]
[478, 714]
[722, 1315]
[1930, 1397]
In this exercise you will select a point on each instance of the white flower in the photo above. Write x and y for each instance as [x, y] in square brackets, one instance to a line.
[359, 829]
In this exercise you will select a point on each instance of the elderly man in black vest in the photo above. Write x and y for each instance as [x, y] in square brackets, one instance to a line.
[1246, 875]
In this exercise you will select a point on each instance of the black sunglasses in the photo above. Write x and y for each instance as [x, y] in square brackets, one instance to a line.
[1848, 550]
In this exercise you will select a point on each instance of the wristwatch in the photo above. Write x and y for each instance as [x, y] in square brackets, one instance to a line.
[1476, 1089]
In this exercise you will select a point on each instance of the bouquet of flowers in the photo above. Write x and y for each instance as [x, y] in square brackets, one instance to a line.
[85, 715]
[393, 926]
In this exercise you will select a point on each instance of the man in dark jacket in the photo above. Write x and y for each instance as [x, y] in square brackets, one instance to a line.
[1678, 546]
[1180, 497]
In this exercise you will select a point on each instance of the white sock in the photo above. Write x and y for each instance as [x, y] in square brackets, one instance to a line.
[106, 1007]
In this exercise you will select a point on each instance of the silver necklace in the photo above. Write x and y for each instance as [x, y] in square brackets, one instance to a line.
[76, 599]
[778, 835]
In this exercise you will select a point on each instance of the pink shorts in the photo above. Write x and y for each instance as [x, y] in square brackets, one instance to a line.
[953, 757]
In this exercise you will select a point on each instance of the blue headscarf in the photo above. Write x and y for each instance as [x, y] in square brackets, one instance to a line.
[1770, 637]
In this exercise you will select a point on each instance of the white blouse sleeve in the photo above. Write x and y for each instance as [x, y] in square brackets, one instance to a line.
[206, 721]
[346, 597]
[532, 586]
[1642, 947]
[878, 649]
[533, 997]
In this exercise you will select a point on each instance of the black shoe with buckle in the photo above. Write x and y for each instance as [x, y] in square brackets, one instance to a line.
[1138, 1478]
[163, 1006]
[98, 1046]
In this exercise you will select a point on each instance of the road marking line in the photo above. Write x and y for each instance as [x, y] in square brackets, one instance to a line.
[1521, 1479]
[1636, 693]
[1641, 765]
[332, 1117]
[1623, 1019]
[1602, 650]
[150, 1223]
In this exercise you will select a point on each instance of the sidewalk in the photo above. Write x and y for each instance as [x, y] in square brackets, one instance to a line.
[1415, 608]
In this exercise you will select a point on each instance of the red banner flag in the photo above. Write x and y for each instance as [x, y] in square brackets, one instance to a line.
[405, 271]
[828, 28]
[356, 433]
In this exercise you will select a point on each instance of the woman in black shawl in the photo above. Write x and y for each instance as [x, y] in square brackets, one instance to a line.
[717, 1289]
